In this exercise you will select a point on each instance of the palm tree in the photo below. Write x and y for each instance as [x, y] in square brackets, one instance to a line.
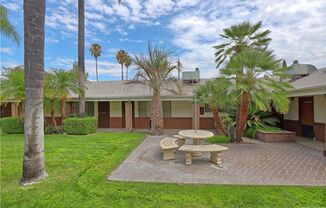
[64, 83]
[179, 66]
[127, 64]
[121, 57]
[81, 56]
[34, 157]
[154, 71]
[239, 37]
[209, 94]
[51, 97]
[96, 51]
[6, 28]
[12, 88]
[252, 75]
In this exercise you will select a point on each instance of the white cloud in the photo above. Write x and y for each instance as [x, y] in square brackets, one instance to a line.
[12, 6]
[298, 29]
[6, 51]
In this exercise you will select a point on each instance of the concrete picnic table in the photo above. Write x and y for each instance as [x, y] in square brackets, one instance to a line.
[197, 136]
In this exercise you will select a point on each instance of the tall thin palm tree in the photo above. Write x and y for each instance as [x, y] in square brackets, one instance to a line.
[128, 64]
[252, 75]
[6, 28]
[96, 51]
[34, 157]
[81, 56]
[121, 57]
[179, 66]
[154, 71]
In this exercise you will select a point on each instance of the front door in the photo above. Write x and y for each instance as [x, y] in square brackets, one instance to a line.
[306, 116]
[103, 114]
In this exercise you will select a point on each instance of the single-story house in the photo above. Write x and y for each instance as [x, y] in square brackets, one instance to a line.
[307, 112]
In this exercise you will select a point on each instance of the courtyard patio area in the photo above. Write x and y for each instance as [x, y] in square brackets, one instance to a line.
[254, 162]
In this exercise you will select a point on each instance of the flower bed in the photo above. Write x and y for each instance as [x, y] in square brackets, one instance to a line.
[280, 136]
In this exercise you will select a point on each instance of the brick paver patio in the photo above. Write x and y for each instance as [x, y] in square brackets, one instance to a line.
[254, 163]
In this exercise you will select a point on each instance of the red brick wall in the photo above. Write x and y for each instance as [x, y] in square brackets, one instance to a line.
[319, 130]
[177, 123]
[141, 122]
[116, 122]
[206, 123]
[292, 126]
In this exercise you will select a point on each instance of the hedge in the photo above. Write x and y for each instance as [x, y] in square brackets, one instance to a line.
[12, 125]
[80, 126]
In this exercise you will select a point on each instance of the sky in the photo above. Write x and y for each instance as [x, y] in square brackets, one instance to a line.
[189, 28]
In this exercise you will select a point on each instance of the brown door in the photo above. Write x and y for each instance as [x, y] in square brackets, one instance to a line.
[306, 116]
[103, 114]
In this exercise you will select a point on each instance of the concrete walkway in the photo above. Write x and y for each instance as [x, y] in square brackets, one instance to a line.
[256, 163]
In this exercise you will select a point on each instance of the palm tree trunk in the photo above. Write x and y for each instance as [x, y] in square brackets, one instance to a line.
[63, 108]
[157, 114]
[53, 118]
[81, 56]
[127, 73]
[121, 71]
[243, 114]
[34, 157]
[96, 68]
[219, 125]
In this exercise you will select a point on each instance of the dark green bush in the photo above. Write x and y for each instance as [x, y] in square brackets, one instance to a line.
[12, 125]
[218, 139]
[80, 126]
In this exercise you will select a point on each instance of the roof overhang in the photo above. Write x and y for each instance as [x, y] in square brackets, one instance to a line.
[319, 90]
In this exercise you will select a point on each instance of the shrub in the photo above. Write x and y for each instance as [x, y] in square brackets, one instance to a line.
[80, 126]
[12, 125]
[218, 139]
[50, 129]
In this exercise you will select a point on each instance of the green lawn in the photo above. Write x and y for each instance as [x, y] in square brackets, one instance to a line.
[79, 165]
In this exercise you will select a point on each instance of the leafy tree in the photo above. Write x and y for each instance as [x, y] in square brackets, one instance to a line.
[121, 57]
[34, 157]
[238, 38]
[252, 76]
[127, 64]
[6, 28]
[12, 87]
[96, 51]
[154, 71]
[209, 94]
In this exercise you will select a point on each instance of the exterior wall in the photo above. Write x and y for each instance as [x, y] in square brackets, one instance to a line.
[291, 119]
[141, 122]
[96, 109]
[177, 123]
[319, 109]
[293, 113]
[206, 123]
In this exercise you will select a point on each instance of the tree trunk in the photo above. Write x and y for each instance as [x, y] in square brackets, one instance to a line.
[243, 114]
[53, 118]
[157, 114]
[63, 108]
[96, 69]
[126, 73]
[81, 56]
[34, 157]
[121, 71]
[219, 125]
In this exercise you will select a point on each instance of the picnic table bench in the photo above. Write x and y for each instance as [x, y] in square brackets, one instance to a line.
[169, 146]
[214, 149]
